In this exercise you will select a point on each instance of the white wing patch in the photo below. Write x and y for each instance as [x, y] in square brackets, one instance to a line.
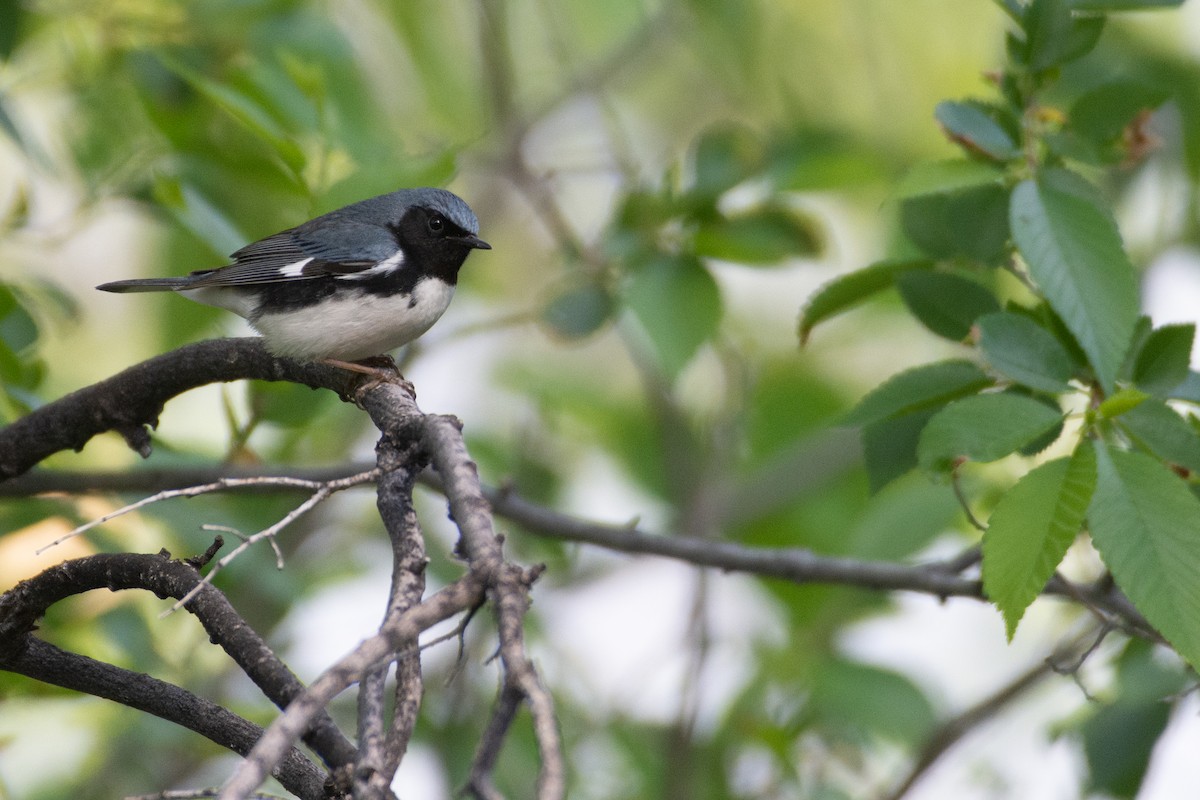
[385, 267]
[295, 270]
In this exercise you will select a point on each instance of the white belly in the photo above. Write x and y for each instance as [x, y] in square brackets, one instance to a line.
[357, 325]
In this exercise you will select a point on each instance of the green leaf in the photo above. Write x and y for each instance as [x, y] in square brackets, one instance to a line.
[1056, 36]
[197, 214]
[1165, 359]
[956, 207]
[1122, 402]
[946, 304]
[1118, 741]
[579, 311]
[1188, 389]
[949, 176]
[1074, 252]
[854, 697]
[847, 291]
[762, 236]
[1102, 114]
[972, 126]
[678, 305]
[1146, 522]
[983, 428]
[1031, 528]
[245, 109]
[1020, 349]
[916, 389]
[904, 518]
[18, 329]
[1158, 428]
[1122, 5]
[289, 405]
[890, 446]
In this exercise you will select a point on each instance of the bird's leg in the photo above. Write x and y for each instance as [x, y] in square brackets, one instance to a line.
[379, 369]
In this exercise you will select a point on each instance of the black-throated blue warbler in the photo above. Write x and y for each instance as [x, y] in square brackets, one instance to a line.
[354, 283]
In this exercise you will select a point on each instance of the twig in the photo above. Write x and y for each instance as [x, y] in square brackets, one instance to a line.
[372, 652]
[322, 493]
[194, 794]
[790, 564]
[954, 729]
[961, 496]
[218, 485]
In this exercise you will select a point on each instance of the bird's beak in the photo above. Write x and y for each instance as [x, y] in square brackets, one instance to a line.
[474, 242]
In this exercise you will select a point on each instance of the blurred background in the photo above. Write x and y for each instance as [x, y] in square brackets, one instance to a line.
[664, 184]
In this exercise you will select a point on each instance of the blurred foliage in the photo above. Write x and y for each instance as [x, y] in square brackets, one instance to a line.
[665, 185]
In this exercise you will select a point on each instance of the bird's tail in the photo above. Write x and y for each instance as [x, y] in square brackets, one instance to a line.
[145, 285]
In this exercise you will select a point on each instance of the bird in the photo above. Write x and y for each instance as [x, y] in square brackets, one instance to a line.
[347, 286]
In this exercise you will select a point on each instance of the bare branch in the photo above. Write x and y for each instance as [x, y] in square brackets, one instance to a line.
[954, 729]
[942, 579]
[22, 606]
[322, 493]
[376, 650]
[132, 400]
[44, 662]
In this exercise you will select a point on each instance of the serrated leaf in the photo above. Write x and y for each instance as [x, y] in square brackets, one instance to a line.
[1031, 528]
[847, 291]
[1158, 428]
[1122, 402]
[916, 389]
[1146, 523]
[678, 305]
[983, 428]
[1075, 255]
[946, 304]
[1020, 349]
[1165, 359]
[972, 127]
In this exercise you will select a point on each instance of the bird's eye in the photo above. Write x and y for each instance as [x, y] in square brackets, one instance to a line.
[437, 223]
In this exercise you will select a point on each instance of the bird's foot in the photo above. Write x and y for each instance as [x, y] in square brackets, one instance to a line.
[377, 369]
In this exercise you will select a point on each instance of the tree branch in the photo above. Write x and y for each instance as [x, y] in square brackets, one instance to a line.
[22, 606]
[790, 564]
[378, 649]
[132, 400]
[44, 662]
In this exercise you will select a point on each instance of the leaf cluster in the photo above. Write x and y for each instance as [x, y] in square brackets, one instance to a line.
[1014, 253]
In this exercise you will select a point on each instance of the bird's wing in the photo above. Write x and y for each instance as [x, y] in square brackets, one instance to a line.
[322, 247]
